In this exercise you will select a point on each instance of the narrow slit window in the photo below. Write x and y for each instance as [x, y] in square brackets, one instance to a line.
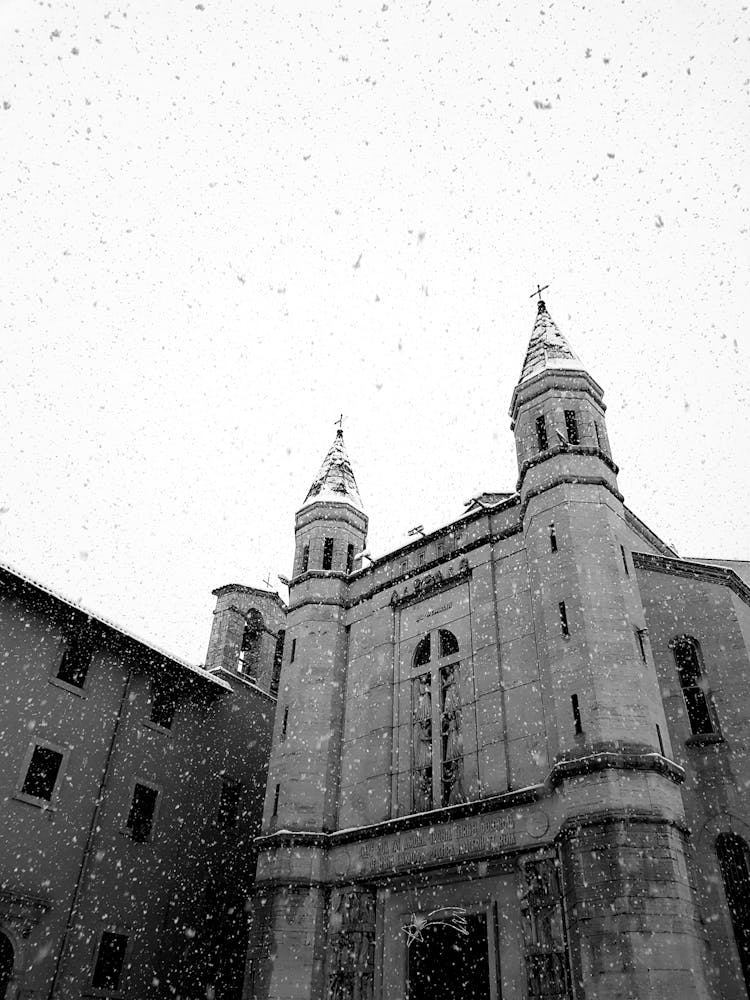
[229, 804]
[294, 651]
[576, 714]
[640, 633]
[624, 560]
[541, 433]
[142, 812]
[276, 800]
[349, 558]
[552, 538]
[76, 659]
[278, 656]
[564, 627]
[598, 435]
[284, 723]
[110, 959]
[305, 558]
[41, 775]
[661, 741]
[571, 426]
[327, 553]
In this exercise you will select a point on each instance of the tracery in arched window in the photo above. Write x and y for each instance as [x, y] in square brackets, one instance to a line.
[694, 687]
[437, 742]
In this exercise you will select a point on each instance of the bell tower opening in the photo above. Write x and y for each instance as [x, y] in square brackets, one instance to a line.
[445, 964]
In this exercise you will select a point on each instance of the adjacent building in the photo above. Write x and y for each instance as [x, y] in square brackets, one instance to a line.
[131, 786]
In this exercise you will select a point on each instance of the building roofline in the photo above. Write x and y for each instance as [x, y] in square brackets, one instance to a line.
[693, 570]
[195, 671]
[511, 500]
[228, 588]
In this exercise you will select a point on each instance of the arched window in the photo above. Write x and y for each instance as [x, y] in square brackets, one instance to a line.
[6, 962]
[437, 739]
[422, 653]
[694, 688]
[248, 660]
[448, 643]
[734, 862]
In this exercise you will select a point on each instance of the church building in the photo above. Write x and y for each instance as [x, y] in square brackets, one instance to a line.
[509, 759]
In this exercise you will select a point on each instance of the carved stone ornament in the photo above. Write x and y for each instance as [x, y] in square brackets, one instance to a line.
[352, 944]
[431, 583]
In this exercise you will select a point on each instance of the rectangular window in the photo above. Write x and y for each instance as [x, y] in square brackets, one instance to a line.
[541, 433]
[624, 560]
[571, 426]
[552, 538]
[163, 703]
[276, 800]
[598, 434]
[349, 558]
[110, 959]
[76, 659]
[229, 804]
[305, 558]
[576, 714]
[403, 567]
[420, 559]
[293, 652]
[142, 810]
[284, 723]
[327, 553]
[41, 776]
[563, 619]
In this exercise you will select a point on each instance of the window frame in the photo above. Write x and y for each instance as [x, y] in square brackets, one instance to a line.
[572, 430]
[541, 434]
[150, 721]
[102, 991]
[715, 734]
[223, 821]
[34, 800]
[127, 830]
[328, 551]
[436, 667]
[66, 639]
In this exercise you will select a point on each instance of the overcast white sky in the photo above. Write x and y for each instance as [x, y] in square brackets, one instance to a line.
[187, 190]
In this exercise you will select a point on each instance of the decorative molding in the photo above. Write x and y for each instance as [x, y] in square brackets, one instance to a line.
[565, 449]
[430, 583]
[573, 480]
[22, 912]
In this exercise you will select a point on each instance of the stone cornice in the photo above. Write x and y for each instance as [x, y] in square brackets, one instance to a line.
[573, 480]
[694, 571]
[564, 449]
[234, 588]
[584, 764]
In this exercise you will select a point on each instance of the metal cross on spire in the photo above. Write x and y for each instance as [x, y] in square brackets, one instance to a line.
[340, 423]
[538, 292]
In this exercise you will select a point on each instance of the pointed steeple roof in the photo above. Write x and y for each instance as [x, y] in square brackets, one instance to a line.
[548, 349]
[335, 481]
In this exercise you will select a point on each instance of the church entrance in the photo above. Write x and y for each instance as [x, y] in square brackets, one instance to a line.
[444, 964]
[6, 964]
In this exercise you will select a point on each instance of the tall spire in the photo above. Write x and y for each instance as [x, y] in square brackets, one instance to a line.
[335, 481]
[548, 349]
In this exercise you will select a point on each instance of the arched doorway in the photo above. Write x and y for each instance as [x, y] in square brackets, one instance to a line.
[734, 861]
[447, 965]
[6, 963]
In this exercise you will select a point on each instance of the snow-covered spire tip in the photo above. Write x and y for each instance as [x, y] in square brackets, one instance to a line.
[335, 481]
[548, 349]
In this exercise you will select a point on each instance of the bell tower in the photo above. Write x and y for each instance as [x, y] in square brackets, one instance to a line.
[606, 732]
[304, 771]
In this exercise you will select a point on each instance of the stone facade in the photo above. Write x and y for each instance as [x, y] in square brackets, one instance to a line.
[484, 781]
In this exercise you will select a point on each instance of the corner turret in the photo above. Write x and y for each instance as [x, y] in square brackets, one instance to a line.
[557, 414]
